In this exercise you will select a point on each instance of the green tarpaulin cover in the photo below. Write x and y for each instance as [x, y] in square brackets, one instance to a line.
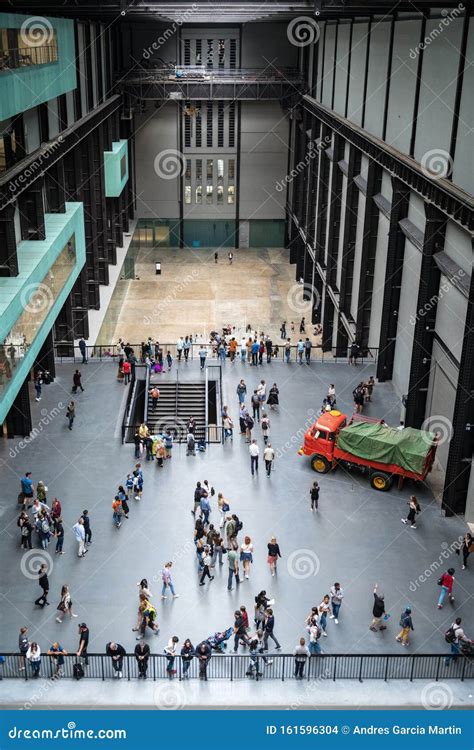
[386, 445]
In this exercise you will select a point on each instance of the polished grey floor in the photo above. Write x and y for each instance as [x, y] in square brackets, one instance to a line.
[356, 537]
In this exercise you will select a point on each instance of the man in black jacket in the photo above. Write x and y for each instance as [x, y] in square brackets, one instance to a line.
[378, 611]
[44, 583]
[142, 654]
[116, 651]
[83, 643]
[203, 653]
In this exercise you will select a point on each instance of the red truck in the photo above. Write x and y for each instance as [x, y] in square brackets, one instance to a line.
[370, 445]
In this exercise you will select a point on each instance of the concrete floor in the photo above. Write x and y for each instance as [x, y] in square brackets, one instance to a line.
[194, 295]
[355, 538]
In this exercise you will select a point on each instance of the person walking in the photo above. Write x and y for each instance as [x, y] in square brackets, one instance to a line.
[273, 554]
[406, 624]
[454, 636]
[239, 631]
[254, 453]
[228, 427]
[87, 527]
[223, 508]
[76, 382]
[179, 348]
[268, 457]
[255, 351]
[241, 391]
[446, 582]
[127, 371]
[378, 611]
[38, 382]
[307, 350]
[83, 350]
[170, 653]
[80, 534]
[283, 330]
[187, 655]
[27, 492]
[268, 630]
[269, 349]
[414, 509]
[302, 326]
[255, 401]
[81, 652]
[71, 414]
[273, 399]
[465, 548]
[202, 357]
[58, 531]
[246, 555]
[324, 610]
[288, 351]
[230, 257]
[65, 604]
[142, 655]
[155, 395]
[337, 595]
[43, 581]
[116, 652]
[218, 550]
[301, 654]
[233, 563]
[265, 425]
[167, 581]
[249, 425]
[26, 527]
[206, 565]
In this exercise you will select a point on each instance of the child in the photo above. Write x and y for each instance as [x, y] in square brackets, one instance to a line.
[245, 617]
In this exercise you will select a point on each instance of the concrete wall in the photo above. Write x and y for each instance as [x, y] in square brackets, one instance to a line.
[463, 169]
[356, 86]
[379, 281]
[264, 153]
[441, 396]
[358, 255]
[377, 78]
[342, 64]
[266, 45]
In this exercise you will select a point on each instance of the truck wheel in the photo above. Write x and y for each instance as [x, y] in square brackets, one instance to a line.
[380, 481]
[320, 464]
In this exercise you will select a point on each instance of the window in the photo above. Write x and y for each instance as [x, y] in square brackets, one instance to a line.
[220, 195]
[21, 48]
[233, 53]
[220, 168]
[198, 51]
[232, 125]
[187, 193]
[209, 125]
[198, 126]
[198, 169]
[199, 194]
[210, 169]
[209, 190]
[220, 124]
[221, 48]
[231, 169]
[231, 194]
[187, 173]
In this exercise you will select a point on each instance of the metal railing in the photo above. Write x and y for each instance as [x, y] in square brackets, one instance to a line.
[112, 353]
[269, 667]
[24, 57]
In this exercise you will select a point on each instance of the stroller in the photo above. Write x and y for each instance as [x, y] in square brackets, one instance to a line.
[218, 641]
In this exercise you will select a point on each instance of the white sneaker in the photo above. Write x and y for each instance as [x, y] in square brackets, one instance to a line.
[164, 597]
[336, 621]
[325, 634]
[331, 617]
[73, 615]
[119, 674]
[58, 619]
[403, 520]
[175, 596]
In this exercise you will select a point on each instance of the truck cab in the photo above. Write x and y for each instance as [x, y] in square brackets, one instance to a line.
[320, 439]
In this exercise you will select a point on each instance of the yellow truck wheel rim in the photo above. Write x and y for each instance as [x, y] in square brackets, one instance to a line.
[379, 482]
[319, 464]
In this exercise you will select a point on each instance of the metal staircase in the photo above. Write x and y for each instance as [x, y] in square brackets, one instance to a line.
[178, 402]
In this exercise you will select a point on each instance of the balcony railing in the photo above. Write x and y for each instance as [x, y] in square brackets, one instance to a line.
[25, 57]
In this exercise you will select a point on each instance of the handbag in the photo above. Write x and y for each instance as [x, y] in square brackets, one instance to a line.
[21, 497]
[61, 607]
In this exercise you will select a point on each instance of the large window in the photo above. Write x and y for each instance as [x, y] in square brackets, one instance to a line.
[21, 48]
[210, 181]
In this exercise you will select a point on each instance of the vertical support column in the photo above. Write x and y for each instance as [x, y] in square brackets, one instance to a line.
[55, 187]
[461, 447]
[19, 417]
[393, 281]
[423, 335]
[8, 254]
[367, 262]
[45, 358]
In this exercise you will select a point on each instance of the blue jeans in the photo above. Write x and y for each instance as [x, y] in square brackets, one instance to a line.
[314, 648]
[442, 595]
[243, 354]
[454, 653]
[287, 355]
[59, 543]
[36, 666]
[171, 588]
[322, 621]
[231, 575]
[335, 610]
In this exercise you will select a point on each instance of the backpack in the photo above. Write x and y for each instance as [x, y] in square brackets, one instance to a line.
[239, 526]
[44, 527]
[77, 671]
[25, 531]
[249, 423]
[450, 635]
